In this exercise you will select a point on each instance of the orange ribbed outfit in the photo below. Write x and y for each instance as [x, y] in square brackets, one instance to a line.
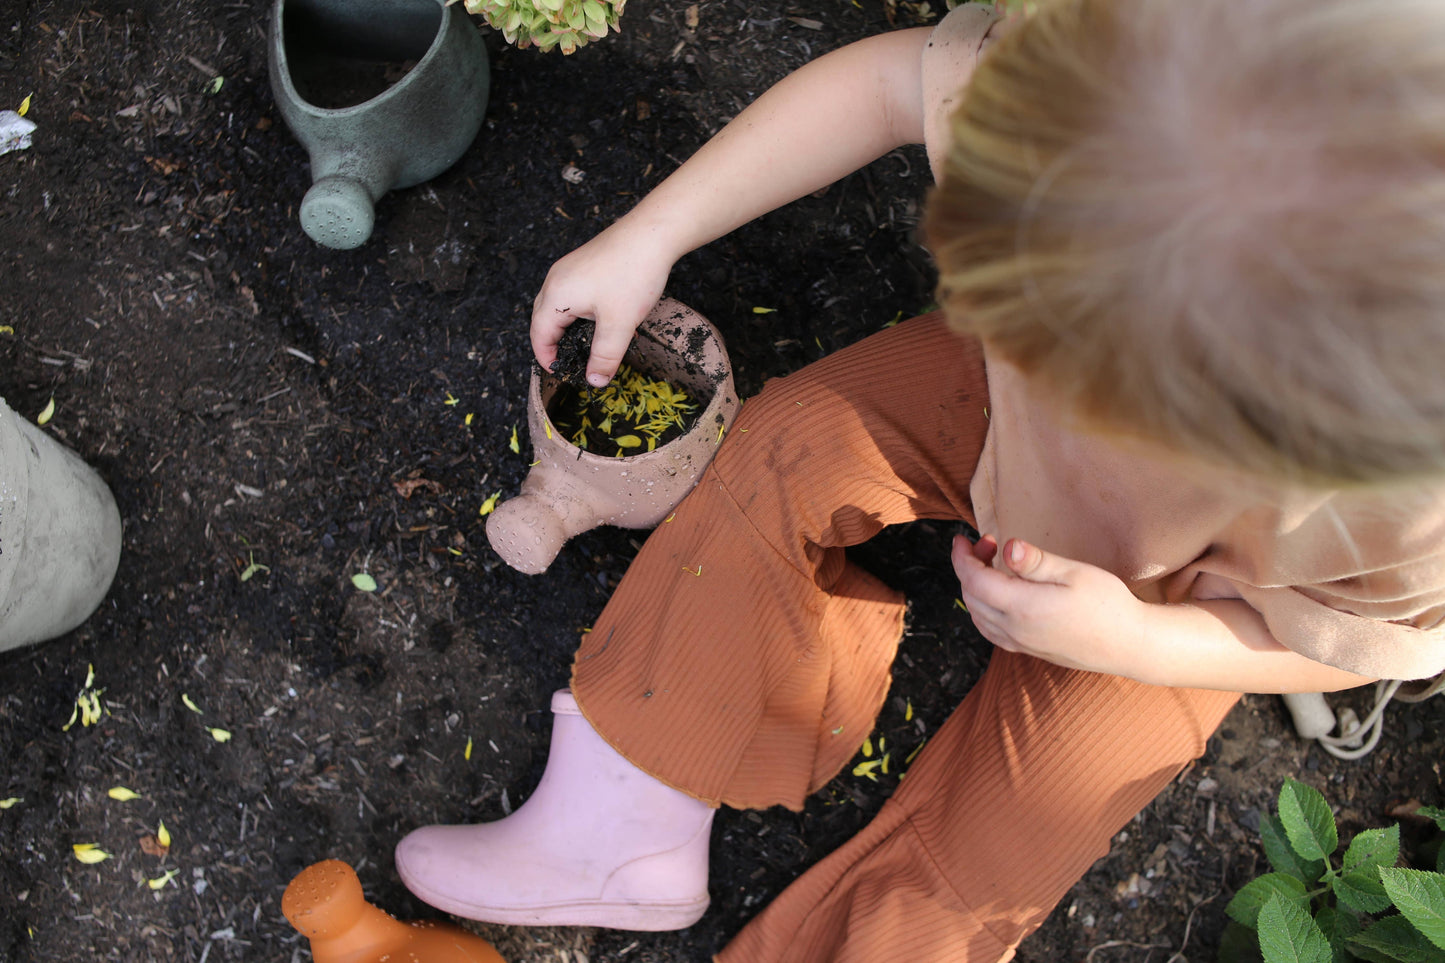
[741, 639]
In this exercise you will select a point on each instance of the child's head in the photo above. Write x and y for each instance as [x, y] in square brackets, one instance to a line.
[1216, 225]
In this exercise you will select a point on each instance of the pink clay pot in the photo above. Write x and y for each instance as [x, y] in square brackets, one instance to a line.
[571, 491]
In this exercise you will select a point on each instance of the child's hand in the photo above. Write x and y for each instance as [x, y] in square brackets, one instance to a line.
[1066, 612]
[614, 279]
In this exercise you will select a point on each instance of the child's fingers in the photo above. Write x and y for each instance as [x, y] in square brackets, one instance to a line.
[985, 549]
[981, 584]
[1033, 563]
[609, 344]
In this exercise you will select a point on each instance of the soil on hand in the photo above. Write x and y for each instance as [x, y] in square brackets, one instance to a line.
[573, 350]
[275, 418]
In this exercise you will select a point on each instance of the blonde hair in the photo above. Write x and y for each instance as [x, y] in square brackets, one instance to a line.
[1217, 226]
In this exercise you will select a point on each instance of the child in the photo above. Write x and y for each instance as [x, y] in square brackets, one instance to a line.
[1187, 384]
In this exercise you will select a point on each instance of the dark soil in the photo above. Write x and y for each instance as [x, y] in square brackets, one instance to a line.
[256, 400]
[570, 365]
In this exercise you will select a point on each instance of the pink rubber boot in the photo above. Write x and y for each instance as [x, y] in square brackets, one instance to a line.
[600, 843]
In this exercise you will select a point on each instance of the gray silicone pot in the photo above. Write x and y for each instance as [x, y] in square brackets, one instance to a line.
[59, 535]
[408, 133]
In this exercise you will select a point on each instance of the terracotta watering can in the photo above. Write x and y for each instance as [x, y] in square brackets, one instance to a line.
[572, 490]
[325, 903]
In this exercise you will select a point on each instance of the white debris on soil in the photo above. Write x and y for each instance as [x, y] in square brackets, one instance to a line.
[15, 131]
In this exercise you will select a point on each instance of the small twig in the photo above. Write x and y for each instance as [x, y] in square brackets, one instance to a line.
[1113, 943]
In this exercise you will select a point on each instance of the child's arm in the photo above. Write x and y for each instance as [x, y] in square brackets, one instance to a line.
[824, 121]
[1080, 616]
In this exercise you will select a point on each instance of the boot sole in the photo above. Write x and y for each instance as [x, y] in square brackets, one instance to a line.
[649, 916]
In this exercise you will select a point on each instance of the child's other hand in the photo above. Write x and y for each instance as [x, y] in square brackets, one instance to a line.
[614, 279]
[1067, 612]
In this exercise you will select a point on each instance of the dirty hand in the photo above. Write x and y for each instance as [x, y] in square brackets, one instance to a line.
[1066, 612]
[614, 279]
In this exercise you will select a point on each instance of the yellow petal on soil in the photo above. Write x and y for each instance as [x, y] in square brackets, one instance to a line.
[90, 853]
[7, 803]
[628, 441]
[764, 310]
[46, 415]
[121, 793]
[6, 329]
[514, 444]
[908, 711]
[468, 754]
[868, 747]
[74, 713]
[220, 735]
[865, 769]
[489, 504]
[959, 603]
[25, 105]
[468, 420]
[163, 835]
[364, 582]
[160, 881]
[186, 701]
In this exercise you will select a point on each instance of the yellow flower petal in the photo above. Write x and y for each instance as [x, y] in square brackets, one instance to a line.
[490, 504]
[7, 803]
[866, 769]
[364, 582]
[25, 105]
[90, 853]
[46, 415]
[514, 444]
[468, 754]
[160, 881]
[868, 747]
[121, 793]
[186, 700]
[163, 835]
[220, 735]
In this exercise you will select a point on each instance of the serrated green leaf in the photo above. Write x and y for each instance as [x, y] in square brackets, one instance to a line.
[364, 582]
[1362, 891]
[1394, 940]
[1338, 927]
[1288, 934]
[1433, 812]
[1282, 856]
[1308, 822]
[1420, 895]
[1238, 944]
[1373, 847]
[1245, 906]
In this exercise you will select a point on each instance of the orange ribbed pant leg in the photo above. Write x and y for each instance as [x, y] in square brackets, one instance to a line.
[742, 656]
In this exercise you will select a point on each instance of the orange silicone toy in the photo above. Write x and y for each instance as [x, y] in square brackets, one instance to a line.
[326, 904]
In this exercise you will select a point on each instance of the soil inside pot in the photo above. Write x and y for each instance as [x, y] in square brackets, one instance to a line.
[634, 414]
[334, 82]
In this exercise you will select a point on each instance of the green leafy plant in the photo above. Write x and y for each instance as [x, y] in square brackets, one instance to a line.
[564, 24]
[1314, 909]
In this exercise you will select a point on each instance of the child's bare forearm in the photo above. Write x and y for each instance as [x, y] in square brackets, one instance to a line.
[820, 123]
[1225, 644]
